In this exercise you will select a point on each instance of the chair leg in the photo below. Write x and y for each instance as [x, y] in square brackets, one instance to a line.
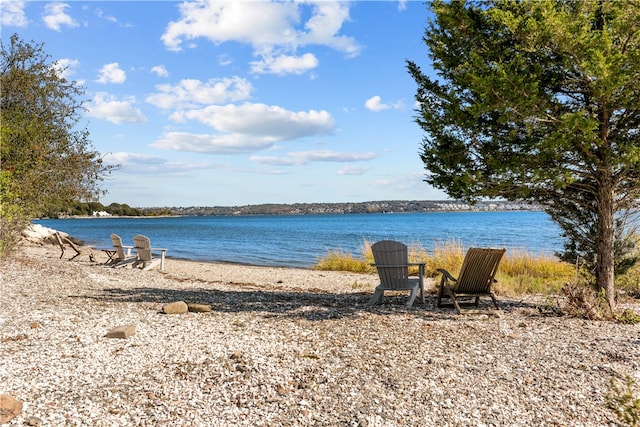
[412, 296]
[495, 301]
[455, 303]
[477, 301]
[377, 297]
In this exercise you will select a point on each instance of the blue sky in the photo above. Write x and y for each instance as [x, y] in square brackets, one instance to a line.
[242, 102]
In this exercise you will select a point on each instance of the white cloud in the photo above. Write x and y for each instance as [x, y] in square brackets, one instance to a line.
[100, 14]
[224, 60]
[260, 120]
[12, 14]
[66, 67]
[274, 29]
[285, 64]
[353, 170]
[190, 92]
[297, 158]
[160, 71]
[108, 107]
[212, 143]
[135, 163]
[324, 25]
[244, 128]
[375, 104]
[55, 16]
[111, 73]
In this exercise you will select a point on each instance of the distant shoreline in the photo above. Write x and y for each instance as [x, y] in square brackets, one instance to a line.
[374, 207]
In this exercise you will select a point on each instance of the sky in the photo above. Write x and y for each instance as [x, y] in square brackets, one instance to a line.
[211, 103]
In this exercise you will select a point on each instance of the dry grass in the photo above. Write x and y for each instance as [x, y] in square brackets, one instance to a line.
[519, 272]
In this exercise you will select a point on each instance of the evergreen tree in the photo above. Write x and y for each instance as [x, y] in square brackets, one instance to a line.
[540, 101]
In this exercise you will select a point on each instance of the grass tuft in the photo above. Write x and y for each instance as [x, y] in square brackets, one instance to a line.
[519, 272]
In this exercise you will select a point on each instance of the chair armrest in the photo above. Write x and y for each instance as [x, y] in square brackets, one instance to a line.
[163, 251]
[391, 265]
[446, 274]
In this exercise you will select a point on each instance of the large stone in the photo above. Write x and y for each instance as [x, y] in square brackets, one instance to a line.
[199, 308]
[122, 331]
[10, 408]
[178, 307]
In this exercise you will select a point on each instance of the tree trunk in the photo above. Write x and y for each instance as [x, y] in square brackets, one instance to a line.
[605, 243]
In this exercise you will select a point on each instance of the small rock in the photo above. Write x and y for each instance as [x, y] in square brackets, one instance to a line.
[10, 408]
[33, 421]
[122, 331]
[178, 307]
[199, 308]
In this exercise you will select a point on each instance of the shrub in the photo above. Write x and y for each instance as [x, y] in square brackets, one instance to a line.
[622, 401]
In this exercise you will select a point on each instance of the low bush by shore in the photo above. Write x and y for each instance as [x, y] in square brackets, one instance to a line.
[520, 272]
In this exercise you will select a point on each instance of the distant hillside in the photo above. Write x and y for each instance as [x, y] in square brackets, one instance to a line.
[346, 208]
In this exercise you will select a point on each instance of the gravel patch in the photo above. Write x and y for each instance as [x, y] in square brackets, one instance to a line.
[289, 347]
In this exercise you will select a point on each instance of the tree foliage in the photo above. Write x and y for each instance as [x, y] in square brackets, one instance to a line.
[538, 100]
[45, 158]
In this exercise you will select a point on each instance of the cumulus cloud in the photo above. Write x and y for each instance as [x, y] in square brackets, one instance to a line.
[275, 30]
[55, 16]
[244, 128]
[298, 158]
[190, 92]
[212, 143]
[12, 14]
[111, 73]
[108, 107]
[276, 123]
[285, 64]
[375, 104]
[160, 71]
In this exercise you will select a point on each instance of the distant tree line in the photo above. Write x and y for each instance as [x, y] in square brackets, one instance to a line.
[387, 206]
[88, 208]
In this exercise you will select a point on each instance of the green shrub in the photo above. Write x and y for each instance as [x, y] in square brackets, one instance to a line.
[624, 403]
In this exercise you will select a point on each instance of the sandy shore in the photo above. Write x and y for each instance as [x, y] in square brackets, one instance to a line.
[288, 347]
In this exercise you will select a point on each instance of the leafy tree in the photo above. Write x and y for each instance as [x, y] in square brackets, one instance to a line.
[45, 159]
[540, 101]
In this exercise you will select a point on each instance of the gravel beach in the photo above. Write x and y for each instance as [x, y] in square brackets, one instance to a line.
[288, 347]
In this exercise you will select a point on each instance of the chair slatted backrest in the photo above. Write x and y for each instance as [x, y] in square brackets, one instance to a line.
[117, 245]
[143, 247]
[478, 270]
[391, 259]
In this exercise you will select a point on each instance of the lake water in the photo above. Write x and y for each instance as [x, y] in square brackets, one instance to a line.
[299, 240]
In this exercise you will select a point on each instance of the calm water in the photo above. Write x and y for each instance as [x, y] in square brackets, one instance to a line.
[299, 241]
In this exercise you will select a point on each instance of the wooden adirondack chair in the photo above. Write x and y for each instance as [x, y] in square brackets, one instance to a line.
[145, 260]
[477, 274]
[121, 258]
[392, 262]
[79, 250]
